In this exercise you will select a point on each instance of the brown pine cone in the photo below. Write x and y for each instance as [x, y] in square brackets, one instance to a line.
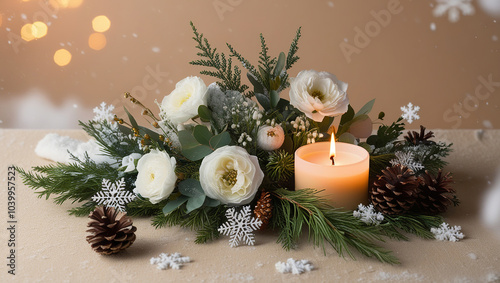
[415, 138]
[111, 231]
[264, 209]
[435, 193]
[395, 191]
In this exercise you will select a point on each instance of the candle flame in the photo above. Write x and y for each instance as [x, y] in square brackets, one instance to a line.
[332, 148]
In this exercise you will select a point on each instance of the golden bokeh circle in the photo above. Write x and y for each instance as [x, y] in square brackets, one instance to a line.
[62, 57]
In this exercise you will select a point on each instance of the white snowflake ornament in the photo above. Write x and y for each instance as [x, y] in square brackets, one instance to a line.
[240, 226]
[104, 113]
[368, 215]
[406, 159]
[410, 112]
[294, 266]
[114, 195]
[446, 233]
[453, 8]
[174, 261]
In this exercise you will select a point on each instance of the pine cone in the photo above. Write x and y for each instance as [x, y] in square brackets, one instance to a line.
[111, 230]
[415, 138]
[264, 209]
[435, 193]
[395, 191]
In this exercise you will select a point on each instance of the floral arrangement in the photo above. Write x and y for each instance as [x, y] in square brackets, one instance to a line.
[219, 159]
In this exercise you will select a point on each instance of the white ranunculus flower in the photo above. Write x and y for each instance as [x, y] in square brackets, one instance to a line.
[183, 102]
[231, 175]
[318, 94]
[129, 161]
[156, 178]
[270, 138]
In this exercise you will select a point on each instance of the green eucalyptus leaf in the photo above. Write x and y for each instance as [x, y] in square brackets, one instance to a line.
[190, 188]
[372, 140]
[195, 203]
[152, 134]
[280, 64]
[347, 116]
[263, 100]
[191, 148]
[347, 138]
[125, 130]
[202, 134]
[131, 119]
[173, 204]
[204, 113]
[210, 202]
[220, 140]
[325, 124]
[365, 146]
[257, 86]
[381, 115]
[366, 108]
[275, 98]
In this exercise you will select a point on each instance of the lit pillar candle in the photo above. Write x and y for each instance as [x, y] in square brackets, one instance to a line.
[345, 183]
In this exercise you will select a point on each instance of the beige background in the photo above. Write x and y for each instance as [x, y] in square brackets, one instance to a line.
[404, 61]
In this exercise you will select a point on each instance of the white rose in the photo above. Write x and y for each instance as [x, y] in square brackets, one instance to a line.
[183, 102]
[156, 178]
[270, 138]
[129, 161]
[318, 94]
[231, 175]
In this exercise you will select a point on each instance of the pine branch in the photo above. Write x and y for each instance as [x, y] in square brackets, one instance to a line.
[292, 58]
[264, 59]
[143, 207]
[379, 163]
[246, 64]
[295, 209]
[83, 210]
[419, 225]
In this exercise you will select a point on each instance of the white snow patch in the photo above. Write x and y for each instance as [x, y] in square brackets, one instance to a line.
[330, 4]
[156, 49]
[134, 35]
[472, 256]
[433, 26]
[490, 208]
[294, 266]
[494, 38]
[404, 276]
[492, 277]
[487, 124]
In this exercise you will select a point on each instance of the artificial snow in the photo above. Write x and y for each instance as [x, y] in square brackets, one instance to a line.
[490, 209]
[406, 159]
[453, 8]
[164, 261]
[114, 195]
[368, 215]
[104, 113]
[446, 233]
[410, 112]
[294, 266]
[240, 226]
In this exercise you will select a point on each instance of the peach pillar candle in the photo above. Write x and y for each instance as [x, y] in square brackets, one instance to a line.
[345, 183]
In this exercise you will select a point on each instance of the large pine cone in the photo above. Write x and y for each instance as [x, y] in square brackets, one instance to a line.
[264, 209]
[435, 193]
[415, 138]
[111, 231]
[395, 191]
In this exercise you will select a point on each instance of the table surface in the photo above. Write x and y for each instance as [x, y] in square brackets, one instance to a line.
[51, 245]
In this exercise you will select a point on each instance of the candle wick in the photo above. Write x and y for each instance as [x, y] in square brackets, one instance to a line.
[332, 158]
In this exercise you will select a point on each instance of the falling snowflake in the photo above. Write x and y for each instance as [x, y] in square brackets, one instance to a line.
[113, 195]
[174, 261]
[104, 113]
[446, 233]
[294, 266]
[406, 159]
[240, 226]
[410, 112]
[453, 8]
[368, 215]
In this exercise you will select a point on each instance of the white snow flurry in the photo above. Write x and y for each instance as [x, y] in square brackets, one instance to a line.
[453, 8]
[368, 215]
[446, 233]
[294, 266]
[113, 195]
[174, 261]
[240, 226]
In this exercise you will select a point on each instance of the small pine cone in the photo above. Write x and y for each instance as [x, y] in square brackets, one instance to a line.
[415, 138]
[264, 209]
[395, 191]
[435, 193]
[111, 231]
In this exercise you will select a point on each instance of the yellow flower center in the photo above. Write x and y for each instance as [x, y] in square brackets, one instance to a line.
[185, 98]
[151, 177]
[230, 178]
[271, 133]
[318, 94]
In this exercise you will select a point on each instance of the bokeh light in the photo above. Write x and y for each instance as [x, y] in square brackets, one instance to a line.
[27, 32]
[62, 57]
[66, 3]
[97, 41]
[1, 19]
[101, 23]
[39, 29]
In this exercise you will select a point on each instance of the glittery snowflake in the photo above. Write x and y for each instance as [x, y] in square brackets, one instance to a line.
[446, 233]
[239, 226]
[294, 266]
[406, 159]
[113, 195]
[453, 8]
[368, 215]
[410, 112]
[104, 113]
[174, 261]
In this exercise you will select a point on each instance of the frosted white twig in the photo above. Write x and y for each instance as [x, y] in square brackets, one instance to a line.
[114, 195]
[410, 112]
[174, 261]
[446, 233]
[294, 266]
[453, 8]
[104, 113]
[368, 215]
[406, 159]
[240, 226]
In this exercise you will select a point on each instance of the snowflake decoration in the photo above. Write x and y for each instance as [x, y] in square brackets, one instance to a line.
[240, 226]
[406, 159]
[294, 266]
[104, 113]
[113, 195]
[446, 233]
[410, 112]
[174, 261]
[453, 8]
[368, 215]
